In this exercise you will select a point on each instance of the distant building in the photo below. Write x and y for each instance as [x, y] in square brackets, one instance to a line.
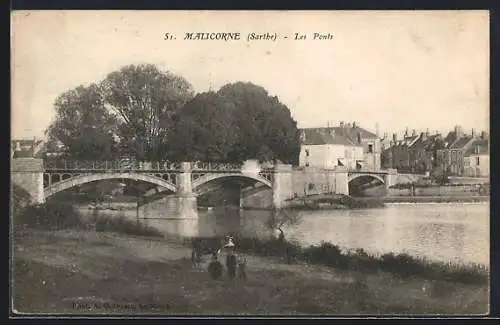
[24, 148]
[345, 145]
[451, 156]
[477, 158]
[397, 155]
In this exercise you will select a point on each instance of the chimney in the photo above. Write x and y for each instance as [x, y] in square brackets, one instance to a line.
[349, 125]
[353, 125]
[458, 131]
[394, 137]
[423, 135]
[359, 137]
[483, 135]
[427, 132]
[341, 124]
[473, 133]
[413, 133]
[406, 132]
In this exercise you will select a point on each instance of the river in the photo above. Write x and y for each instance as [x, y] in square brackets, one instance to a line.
[457, 232]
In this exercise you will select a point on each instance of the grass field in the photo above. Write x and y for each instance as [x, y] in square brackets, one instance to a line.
[87, 272]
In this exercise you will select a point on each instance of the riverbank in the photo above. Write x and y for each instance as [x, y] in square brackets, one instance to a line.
[435, 199]
[62, 270]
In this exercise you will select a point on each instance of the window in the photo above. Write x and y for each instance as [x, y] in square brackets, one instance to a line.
[307, 152]
[477, 161]
[370, 148]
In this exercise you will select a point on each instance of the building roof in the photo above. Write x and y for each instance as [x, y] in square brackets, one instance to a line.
[478, 147]
[352, 132]
[450, 138]
[320, 136]
[460, 143]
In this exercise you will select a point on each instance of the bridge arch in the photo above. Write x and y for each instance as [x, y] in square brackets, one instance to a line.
[354, 176]
[211, 177]
[87, 178]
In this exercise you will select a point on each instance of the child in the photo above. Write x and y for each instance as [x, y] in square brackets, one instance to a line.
[215, 268]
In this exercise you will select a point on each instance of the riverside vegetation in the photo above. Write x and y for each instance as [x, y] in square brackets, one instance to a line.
[57, 217]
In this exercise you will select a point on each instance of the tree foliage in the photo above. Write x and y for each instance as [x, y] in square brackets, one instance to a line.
[144, 99]
[141, 112]
[239, 122]
[128, 113]
[83, 125]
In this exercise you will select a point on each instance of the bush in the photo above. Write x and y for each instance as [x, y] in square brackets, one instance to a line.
[20, 199]
[331, 255]
[49, 216]
[124, 226]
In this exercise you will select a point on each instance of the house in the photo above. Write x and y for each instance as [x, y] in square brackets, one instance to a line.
[477, 158]
[398, 155]
[423, 152]
[325, 148]
[451, 156]
[23, 148]
[345, 145]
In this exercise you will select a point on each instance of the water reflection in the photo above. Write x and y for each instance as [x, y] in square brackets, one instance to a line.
[445, 232]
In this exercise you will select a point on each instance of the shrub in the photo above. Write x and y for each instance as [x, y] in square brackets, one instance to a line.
[331, 255]
[125, 226]
[49, 216]
[20, 199]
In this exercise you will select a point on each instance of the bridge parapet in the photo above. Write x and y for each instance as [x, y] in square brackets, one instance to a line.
[107, 165]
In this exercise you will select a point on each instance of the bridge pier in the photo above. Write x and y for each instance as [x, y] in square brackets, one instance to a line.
[28, 174]
[391, 178]
[341, 180]
[186, 200]
[282, 185]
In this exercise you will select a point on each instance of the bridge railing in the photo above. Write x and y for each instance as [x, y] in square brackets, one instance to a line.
[124, 164]
[212, 166]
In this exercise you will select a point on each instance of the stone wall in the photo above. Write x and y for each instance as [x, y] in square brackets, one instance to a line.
[28, 174]
[262, 199]
[310, 180]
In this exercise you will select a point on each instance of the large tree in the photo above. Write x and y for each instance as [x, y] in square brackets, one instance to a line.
[83, 124]
[205, 130]
[144, 99]
[266, 127]
[241, 121]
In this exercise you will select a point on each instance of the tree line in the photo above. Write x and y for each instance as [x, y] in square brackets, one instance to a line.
[144, 113]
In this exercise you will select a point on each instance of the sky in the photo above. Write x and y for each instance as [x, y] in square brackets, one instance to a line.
[387, 70]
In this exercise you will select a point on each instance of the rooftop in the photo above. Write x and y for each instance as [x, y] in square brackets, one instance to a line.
[320, 136]
[478, 147]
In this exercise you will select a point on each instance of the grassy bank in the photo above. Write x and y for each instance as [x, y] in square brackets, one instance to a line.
[85, 272]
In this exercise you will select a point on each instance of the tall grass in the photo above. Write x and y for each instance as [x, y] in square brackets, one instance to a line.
[331, 255]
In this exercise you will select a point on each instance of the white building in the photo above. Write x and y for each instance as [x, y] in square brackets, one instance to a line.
[346, 144]
[324, 148]
[477, 159]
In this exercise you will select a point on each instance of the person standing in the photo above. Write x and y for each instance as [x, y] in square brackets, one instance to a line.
[231, 264]
[242, 261]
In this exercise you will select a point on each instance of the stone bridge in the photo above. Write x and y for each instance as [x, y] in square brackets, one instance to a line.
[186, 180]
